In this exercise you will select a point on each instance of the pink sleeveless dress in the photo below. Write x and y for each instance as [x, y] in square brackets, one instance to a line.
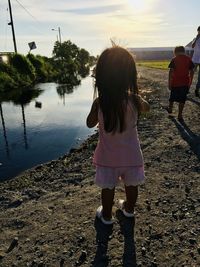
[119, 156]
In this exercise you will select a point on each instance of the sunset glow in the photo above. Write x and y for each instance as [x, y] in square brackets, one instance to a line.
[91, 24]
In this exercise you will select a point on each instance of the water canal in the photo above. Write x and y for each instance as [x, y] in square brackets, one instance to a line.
[42, 125]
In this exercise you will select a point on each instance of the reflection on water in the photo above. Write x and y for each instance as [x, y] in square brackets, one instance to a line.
[4, 132]
[41, 124]
[63, 89]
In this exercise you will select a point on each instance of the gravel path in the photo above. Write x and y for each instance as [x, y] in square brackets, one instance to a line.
[47, 215]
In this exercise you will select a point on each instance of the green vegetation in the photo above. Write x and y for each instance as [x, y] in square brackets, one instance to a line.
[67, 66]
[6, 81]
[43, 68]
[157, 64]
[71, 62]
[24, 71]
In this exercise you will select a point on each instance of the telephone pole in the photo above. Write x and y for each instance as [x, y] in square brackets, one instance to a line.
[59, 34]
[12, 25]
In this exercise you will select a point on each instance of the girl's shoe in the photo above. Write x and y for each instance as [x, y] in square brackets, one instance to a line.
[122, 208]
[99, 214]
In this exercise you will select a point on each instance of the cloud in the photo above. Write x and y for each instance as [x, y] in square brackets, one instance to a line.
[92, 10]
[91, 24]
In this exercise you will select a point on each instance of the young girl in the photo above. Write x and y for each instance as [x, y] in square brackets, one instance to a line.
[180, 79]
[118, 155]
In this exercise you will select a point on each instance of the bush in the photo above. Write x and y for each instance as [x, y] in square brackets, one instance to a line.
[23, 66]
[4, 67]
[7, 68]
[39, 65]
[6, 82]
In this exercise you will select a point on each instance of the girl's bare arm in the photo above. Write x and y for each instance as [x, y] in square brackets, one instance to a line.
[170, 78]
[92, 118]
[144, 105]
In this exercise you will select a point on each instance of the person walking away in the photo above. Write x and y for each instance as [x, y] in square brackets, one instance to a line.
[196, 59]
[180, 79]
[118, 156]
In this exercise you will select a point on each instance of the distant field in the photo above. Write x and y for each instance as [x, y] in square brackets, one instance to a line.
[154, 64]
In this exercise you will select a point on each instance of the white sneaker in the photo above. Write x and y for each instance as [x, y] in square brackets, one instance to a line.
[99, 215]
[121, 203]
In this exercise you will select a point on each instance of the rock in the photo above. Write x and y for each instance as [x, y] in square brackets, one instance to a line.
[72, 150]
[81, 239]
[62, 261]
[33, 263]
[16, 223]
[143, 251]
[34, 194]
[153, 264]
[192, 254]
[193, 233]
[181, 216]
[149, 207]
[19, 257]
[15, 203]
[192, 207]
[82, 258]
[1, 256]
[156, 236]
[13, 244]
[39, 167]
[192, 241]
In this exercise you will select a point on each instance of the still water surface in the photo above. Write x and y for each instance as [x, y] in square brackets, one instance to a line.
[45, 128]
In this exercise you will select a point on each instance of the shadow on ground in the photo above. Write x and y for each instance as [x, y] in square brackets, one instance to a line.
[190, 137]
[127, 230]
[103, 235]
[194, 101]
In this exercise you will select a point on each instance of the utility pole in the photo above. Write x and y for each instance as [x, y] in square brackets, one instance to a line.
[12, 25]
[59, 34]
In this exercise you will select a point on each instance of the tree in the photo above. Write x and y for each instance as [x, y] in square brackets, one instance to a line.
[39, 67]
[23, 65]
[83, 58]
[71, 62]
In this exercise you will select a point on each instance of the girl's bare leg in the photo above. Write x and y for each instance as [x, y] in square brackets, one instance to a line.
[180, 110]
[131, 198]
[107, 197]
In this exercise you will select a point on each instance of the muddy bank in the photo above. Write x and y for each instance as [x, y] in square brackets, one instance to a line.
[47, 214]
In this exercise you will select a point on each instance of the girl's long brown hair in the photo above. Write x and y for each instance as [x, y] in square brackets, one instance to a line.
[116, 79]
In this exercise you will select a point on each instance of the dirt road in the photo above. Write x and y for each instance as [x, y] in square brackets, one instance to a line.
[47, 215]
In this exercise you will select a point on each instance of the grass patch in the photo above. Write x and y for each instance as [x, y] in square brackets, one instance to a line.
[157, 64]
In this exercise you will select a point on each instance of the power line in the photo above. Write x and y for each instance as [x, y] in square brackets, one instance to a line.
[6, 30]
[4, 23]
[38, 30]
[27, 11]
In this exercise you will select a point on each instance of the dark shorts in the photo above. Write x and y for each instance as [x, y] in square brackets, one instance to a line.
[179, 94]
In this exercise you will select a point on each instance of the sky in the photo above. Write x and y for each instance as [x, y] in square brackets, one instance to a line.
[90, 24]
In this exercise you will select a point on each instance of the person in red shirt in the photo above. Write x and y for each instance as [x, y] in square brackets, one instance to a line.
[180, 78]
